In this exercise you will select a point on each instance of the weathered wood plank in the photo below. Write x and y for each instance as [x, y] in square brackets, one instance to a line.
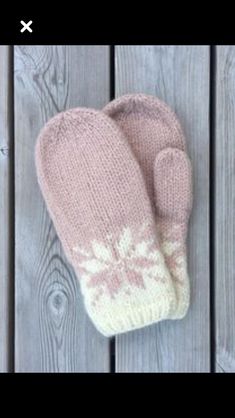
[5, 238]
[53, 333]
[180, 76]
[225, 209]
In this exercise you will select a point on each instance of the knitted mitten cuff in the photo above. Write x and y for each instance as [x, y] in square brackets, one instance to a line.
[96, 196]
[158, 143]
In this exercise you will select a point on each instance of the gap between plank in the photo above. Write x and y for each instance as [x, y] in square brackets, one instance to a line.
[11, 194]
[12, 212]
[112, 347]
[212, 113]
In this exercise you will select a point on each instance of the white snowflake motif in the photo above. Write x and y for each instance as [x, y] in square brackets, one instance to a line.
[173, 248]
[130, 258]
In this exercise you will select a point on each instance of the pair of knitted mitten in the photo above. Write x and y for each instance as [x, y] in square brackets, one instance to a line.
[117, 184]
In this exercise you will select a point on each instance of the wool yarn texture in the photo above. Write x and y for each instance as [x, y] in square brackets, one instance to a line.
[158, 143]
[95, 193]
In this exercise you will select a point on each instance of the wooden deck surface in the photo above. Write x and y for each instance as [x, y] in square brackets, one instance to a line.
[43, 324]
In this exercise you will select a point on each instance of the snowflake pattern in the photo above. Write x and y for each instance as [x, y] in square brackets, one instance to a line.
[130, 258]
[174, 251]
[176, 264]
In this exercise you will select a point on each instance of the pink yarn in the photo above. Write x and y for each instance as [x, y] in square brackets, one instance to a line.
[157, 140]
[95, 193]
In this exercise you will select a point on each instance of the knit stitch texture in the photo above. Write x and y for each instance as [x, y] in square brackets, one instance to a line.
[97, 199]
[158, 143]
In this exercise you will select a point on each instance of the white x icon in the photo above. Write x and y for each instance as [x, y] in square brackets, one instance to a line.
[26, 26]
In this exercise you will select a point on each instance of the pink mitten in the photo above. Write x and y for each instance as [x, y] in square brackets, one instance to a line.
[157, 141]
[96, 196]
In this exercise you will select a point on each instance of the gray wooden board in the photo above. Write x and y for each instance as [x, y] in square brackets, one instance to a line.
[53, 333]
[225, 209]
[5, 238]
[180, 76]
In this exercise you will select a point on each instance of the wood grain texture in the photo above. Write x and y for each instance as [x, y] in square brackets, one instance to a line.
[180, 76]
[5, 247]
[225, 209]
[53, 332]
